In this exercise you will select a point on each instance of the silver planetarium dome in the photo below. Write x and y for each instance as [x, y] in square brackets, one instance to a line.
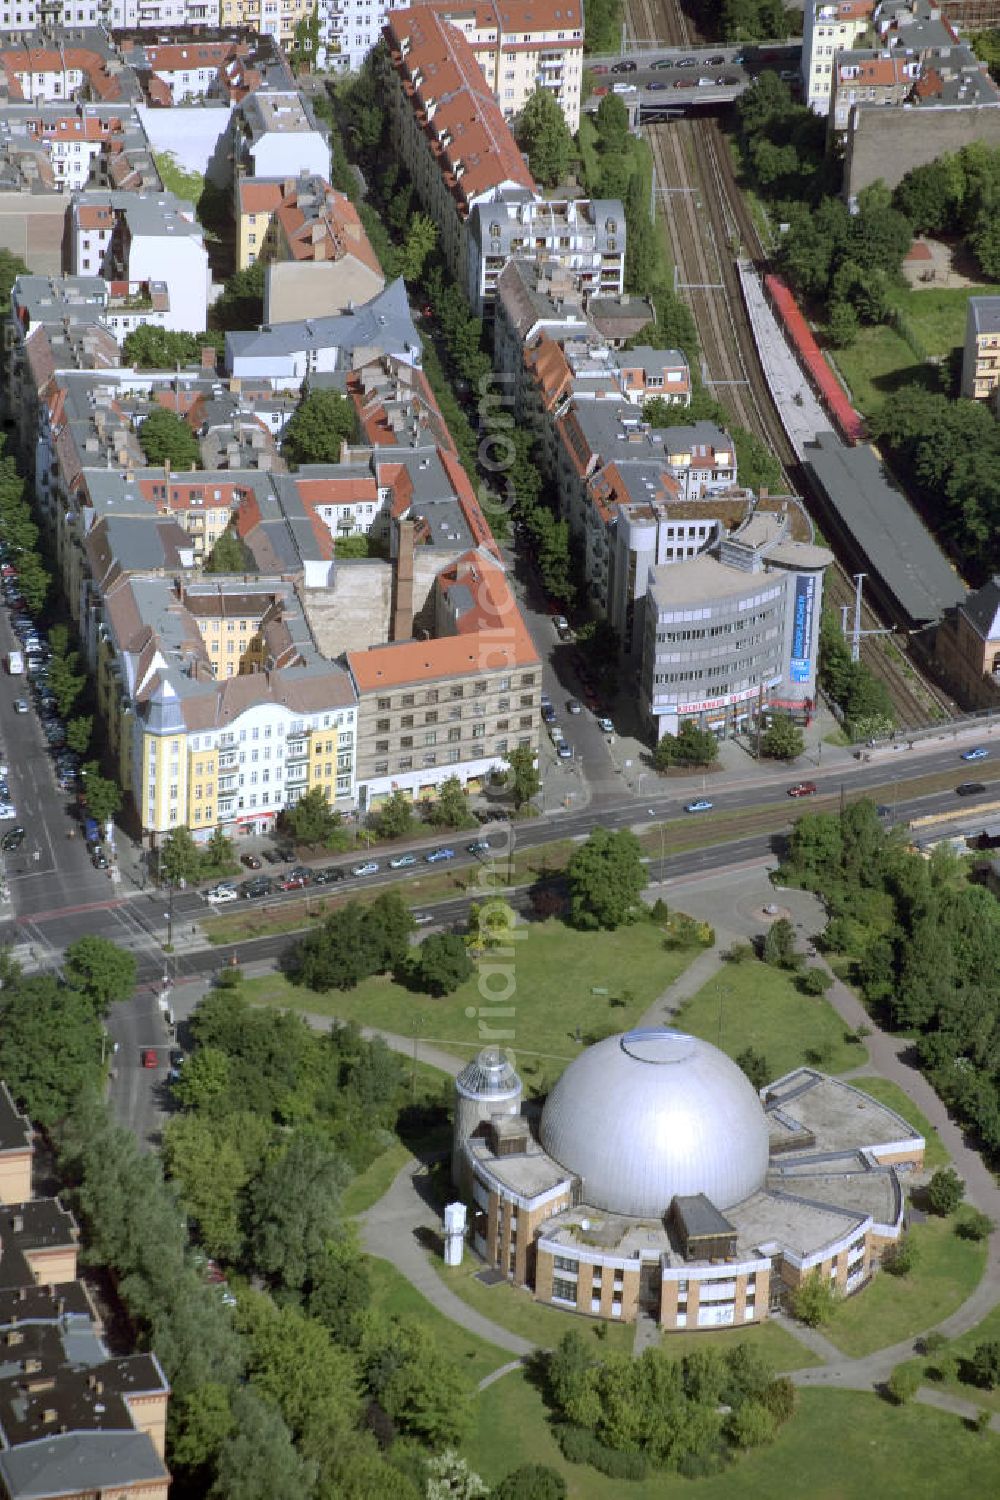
[645, 1115]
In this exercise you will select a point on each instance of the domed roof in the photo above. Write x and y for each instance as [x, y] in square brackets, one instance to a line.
[646, 1115]
[491, 1075]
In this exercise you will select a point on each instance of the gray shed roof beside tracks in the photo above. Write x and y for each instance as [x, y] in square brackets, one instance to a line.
[887, 533]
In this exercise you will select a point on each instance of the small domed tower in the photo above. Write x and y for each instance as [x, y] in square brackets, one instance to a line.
[485, 1087]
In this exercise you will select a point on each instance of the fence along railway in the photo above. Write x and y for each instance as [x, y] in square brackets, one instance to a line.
[709, 225]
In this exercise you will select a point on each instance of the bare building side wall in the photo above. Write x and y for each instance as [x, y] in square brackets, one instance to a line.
[887, 143]
[31, 226]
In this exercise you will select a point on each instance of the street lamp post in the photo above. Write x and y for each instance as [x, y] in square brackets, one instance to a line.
[169, 916]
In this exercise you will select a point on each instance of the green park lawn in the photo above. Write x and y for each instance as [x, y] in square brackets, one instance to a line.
[393, 1295]
[891, 1094]
[761, 1007]
[880, 360]
[962, 1347]
[894, 1308]
[840, 1445]
[558, 981]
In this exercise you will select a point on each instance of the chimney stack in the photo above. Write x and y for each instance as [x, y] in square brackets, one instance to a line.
[402, 607]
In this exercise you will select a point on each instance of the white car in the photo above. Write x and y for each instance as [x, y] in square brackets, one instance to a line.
[7, 810]
[221, 895]
[606, 726]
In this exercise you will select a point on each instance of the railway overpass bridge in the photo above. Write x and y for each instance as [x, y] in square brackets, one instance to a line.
[659, 83]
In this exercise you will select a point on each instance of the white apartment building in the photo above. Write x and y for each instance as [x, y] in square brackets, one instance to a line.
[582, 235]
[524, 45]
[277, 135]
[350, 29]
[829, 27]
[144, 238]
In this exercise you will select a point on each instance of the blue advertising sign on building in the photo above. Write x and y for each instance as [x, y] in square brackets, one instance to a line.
[802, 628]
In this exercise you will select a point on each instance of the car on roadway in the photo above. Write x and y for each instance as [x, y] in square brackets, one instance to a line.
[701, 805]
[979, 753]
[574, 706]
[402, 862]
[437, 855]
[626, 66]
[802, 789]
[295, 880]
[658, 83]
[252, 890]
[623, 88]
[683, 83]
[422, 918]
[564, 751]
[705, 82]
[605, 725]
[548, 713]
[12, 840]
[251, 861]
[970, 788]
[20, 705]
[560, 622]
[883, 810]
[328, 876]
[221, 895]
[370, 867]
[481, 846]
[717, 62]
[149, 1058]
[99, 859]
[687, 62]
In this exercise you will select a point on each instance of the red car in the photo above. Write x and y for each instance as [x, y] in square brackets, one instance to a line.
[292, 882]
[802, 789]
[599, 93]
[149, 1058]
[599, 68]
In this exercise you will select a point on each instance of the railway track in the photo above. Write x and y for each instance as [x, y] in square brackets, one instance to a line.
[709, 225]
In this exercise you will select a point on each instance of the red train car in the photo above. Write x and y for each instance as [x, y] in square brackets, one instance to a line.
[848, 422]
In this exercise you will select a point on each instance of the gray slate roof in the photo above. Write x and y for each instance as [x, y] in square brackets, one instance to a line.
[885, 531]
[78, 1462]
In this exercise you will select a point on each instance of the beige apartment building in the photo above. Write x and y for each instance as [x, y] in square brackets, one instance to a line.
[525, 45]
[981, 355]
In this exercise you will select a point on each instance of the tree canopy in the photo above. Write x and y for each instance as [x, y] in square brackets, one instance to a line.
[230, 554]
[320, 424]
[606, 877]
[165, 438]
[151, 348]
[543, 134]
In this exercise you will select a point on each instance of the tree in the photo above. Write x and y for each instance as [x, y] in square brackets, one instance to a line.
[974, 1225]
[522, 775]
[611, 121]
[900, 1258]
[842, 325]
[543, 134]
[230, 555]
[606, 878]
[11, 267]
[691, 746]
[218, 857]
[179, 857]
[104, 797]
[779, 945]
[294, 1363]
[78, 732]
[312, 820]
[450, 808]
[815, 981]
[316, 431]
[751, 1425]
[50, 1046]
[783, 740]
[904, 1382]
[755, 1066]
[333, 956]
[340, 1289]
[210, 1174]
[404, 1371]
[165, 438]
[441, 964]
[65, 680]
[200, 1423]
[258, 1460]
[293, 1209]
[100, 970]
[814, 1301]
[242, 302]
[985, 1364]
[152, 348]
[531, 1481]
[450, 1478]
[945, 1191]
[394, 819]
[421, 237]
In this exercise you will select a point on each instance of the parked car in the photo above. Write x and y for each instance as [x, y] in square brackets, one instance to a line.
[687, 62]
[99, 859]
[979, 753]
[564, 751]
[20, 705]
[625, 66]
[606, 726]
[12, 840]
[328, 876]
[221, 896]
[422, 918]
[623, 88]
[716, 62]
[657, 83]
[149, 1058]
[574, 706]
[402, 861]
[802, 789]
[560, 622]
[599, 69]
[481, 846]
[369, 868]
[272, 856]
[437, 855]
[7, 810]
[294, 881]
[251, 861]
[701, 805]
[548, 713]
[253, 889]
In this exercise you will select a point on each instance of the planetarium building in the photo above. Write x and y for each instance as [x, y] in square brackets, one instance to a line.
[657, 1180]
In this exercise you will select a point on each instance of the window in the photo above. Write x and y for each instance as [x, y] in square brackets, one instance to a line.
[382, 726]
[563, 1291]
[384, 704]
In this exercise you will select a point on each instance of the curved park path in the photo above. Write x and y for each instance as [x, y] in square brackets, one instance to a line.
[404, 1221]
